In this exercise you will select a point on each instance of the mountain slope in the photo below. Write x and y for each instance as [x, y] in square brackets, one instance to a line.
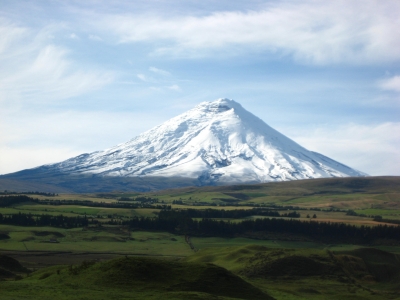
[214, 142]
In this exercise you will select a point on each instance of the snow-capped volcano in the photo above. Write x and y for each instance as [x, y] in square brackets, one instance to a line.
[215, 141]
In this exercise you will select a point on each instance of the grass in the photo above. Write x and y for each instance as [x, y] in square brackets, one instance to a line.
[369, 196]
[387, 213]
[299, 192]
[106, 239]
[212, 242]
[78, 210]
[245, 257]
[133, 278]
[291, 263]
[306, 273]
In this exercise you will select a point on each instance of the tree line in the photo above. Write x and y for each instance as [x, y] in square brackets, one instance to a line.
[181, 223]
[22, 219]
[229, 214]
[12, 200]
[6, 192]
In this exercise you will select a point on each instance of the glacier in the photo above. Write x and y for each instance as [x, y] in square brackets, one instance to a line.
[216, 141]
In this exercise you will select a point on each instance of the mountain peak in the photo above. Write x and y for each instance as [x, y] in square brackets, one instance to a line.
[221, 102]
[216, 141]
[219, 105]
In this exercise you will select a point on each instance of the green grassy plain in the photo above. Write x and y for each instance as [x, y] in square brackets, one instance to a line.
[354, 272]
[327, 198]
[369, 196]
[77, 210]
[105, 239]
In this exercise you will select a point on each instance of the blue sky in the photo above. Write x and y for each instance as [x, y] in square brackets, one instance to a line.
[79, 77]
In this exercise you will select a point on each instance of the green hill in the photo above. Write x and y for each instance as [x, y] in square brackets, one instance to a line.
[364, 273]
[135, 278]
[248, 272]
[10, 267]
[339, 193]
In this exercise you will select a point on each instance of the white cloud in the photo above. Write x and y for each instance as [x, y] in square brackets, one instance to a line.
[37, 71]
[374, 149]
[73, 36]
[141, 77]
[391, 84]
[144, 78]
[158, 80]
[154, 88]
[159, 71]
[9, 34]
[94, 37]
[319, 32]
[175, 87]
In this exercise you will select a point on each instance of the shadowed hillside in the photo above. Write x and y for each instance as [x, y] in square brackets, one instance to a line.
[364, 273]
[305, 187]
[56, 182]
[9, 267]
[139, 278]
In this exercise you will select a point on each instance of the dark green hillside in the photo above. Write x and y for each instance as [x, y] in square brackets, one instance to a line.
[293, 265]
[364, 273]
[9, 267]
[23, 185]
[376, 265]
[299, 188]
[136, 278]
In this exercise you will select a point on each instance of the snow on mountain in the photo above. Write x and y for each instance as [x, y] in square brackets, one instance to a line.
[215, 141]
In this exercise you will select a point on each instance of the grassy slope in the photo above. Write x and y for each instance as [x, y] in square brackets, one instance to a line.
[247, 272]
[311, 273]
[9, 267]
[316, 191]
[368, 196]
[252, 269]
[133, 278]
